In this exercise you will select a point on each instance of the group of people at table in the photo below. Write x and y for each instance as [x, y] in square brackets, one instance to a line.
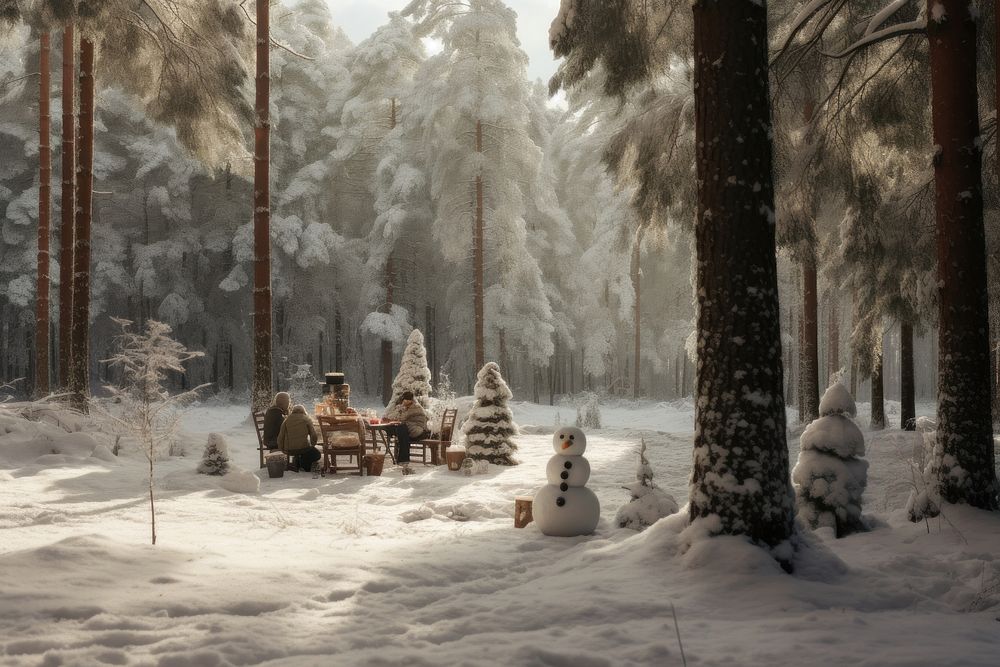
[291, 429]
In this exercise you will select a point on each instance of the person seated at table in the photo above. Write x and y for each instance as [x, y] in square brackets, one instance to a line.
[413, 424]
[274, 417]
[298, 438]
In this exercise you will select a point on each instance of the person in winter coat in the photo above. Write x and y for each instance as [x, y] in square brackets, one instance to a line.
[412, 424]
[274, 417]
[298, 438]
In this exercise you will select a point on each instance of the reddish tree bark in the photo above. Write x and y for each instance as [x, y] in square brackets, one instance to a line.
[477, 257]
[833, 333]
[68, 212]
[262, 374]
[907, 391]
[878, 394]
[965, 429]
[44, 202]
[80, 353]
[387, 344]
[637, 313]
[388, 280]
[809, 369]
[741, 472]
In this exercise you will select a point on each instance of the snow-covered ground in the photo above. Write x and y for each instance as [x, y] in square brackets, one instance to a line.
[327, 571]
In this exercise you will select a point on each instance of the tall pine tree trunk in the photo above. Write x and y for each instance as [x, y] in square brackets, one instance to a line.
[44, 202]
[262, 374]
[637, 312]
[68, 211]
[740, 475]
[833, 334]
[477, 257]
[965, 427]
[386, 349]
[907, 394]
[878, 393]
[809, 370]
[80, 352]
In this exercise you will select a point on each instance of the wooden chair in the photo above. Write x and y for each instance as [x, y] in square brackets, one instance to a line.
[262, 448]
[380, 440]
[342, 437]
[258, 424]
[420, 448]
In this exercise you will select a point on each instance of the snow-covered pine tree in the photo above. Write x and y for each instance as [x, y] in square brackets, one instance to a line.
[215, 459]
[830, 476]
[413, 375]
[490, 425]
[148, 410]
[740, 479]
[588, 415]
[472, 101]
[649, 502]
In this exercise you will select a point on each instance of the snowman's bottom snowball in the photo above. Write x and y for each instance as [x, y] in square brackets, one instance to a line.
[577, 516]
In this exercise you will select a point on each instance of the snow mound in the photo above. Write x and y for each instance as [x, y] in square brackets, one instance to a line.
[837, 400]
[104, 454]
[241, 481]
[647, 509]
[835, 434]
[462, 511]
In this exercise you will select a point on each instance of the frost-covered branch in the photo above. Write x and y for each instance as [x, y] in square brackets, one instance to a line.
[916, 27]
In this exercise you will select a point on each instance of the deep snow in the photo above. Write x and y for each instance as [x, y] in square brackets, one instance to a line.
[327, 571]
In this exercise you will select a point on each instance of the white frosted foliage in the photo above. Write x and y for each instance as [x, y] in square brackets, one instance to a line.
[830, 477]
[413, 375]
[489, 426]
[649, 503]
[837, 400]
[215, 460]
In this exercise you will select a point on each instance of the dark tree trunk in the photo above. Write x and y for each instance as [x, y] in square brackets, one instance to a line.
[878, 393]
[338, 341]
[68, 210]
[80, 352]
[262, 374]
[809, 410]
[854, 356]
[739, 372]
[833, 334]
[636, 278]
[385, 354]
[477, 258]
[907, 396]
[44, 202]
[967, 470]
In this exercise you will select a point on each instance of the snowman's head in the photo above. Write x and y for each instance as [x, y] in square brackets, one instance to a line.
[569, 441]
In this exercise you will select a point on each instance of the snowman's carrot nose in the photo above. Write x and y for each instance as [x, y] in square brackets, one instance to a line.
[567, 445]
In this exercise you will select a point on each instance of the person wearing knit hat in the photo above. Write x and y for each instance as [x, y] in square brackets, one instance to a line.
[274, 417]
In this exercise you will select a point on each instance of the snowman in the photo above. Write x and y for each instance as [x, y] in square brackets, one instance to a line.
[565, 507]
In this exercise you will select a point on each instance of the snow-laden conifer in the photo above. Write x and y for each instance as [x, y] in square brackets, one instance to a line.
[145, 408]
[413, 375]
[588, 415]
[490, 425]
[830, 475]
[649, 502]
[215, 459]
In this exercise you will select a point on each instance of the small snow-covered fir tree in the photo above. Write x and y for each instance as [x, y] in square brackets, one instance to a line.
[148, 411]
[589, 414]
[490, 425]
[215, 460]
[413, 375]
[830, 476]
[649, 503]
